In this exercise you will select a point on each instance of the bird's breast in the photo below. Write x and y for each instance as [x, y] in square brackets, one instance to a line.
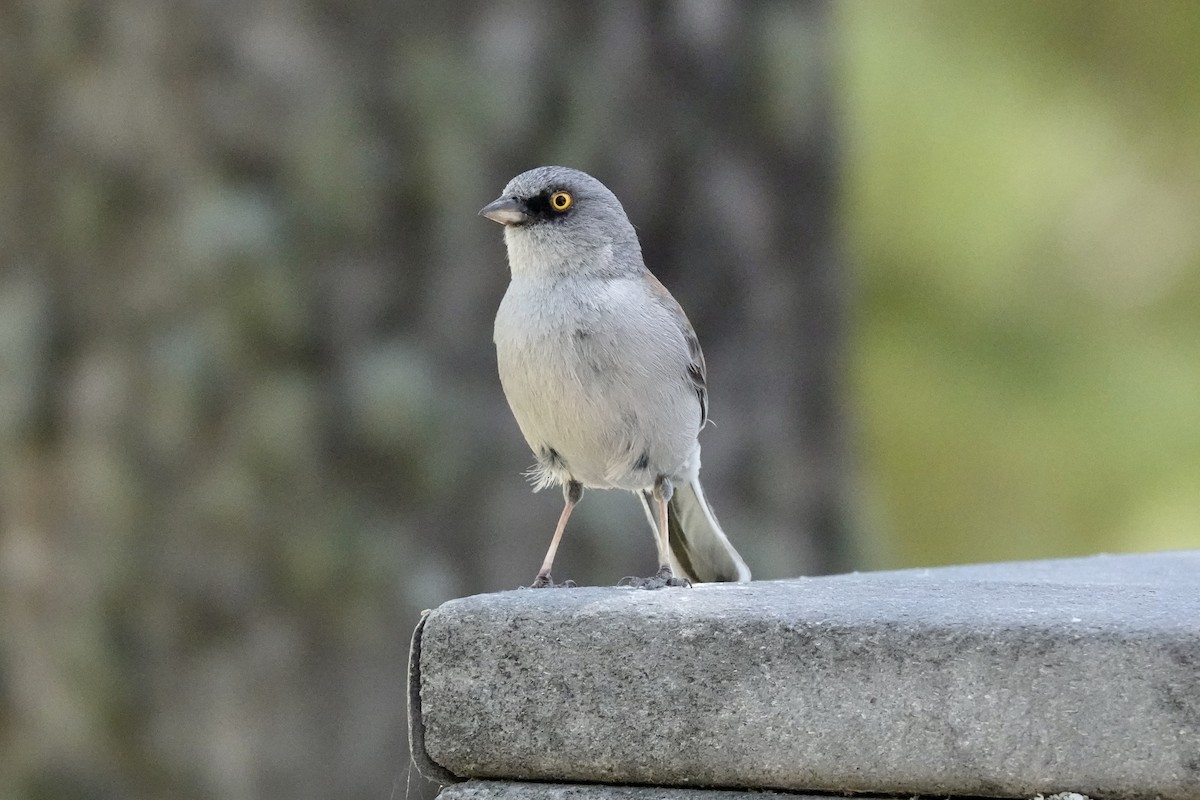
[595, 382]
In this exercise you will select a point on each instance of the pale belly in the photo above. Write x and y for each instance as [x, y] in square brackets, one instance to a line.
[592, 414]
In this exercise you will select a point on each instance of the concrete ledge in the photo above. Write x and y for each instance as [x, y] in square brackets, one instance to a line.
[528, 790]
[523, 790]
[1003, 680]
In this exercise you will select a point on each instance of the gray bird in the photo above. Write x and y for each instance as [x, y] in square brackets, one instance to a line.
[603, 370]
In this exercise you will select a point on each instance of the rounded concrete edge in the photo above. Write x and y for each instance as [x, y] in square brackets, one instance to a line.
[416, 723]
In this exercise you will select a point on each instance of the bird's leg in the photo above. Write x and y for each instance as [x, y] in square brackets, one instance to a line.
[663, 489]
[572, 492]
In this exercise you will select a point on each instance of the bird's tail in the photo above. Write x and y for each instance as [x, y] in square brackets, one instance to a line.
[700, 550]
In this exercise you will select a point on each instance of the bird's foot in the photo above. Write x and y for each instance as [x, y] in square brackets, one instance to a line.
[659, 580]
[544, 581]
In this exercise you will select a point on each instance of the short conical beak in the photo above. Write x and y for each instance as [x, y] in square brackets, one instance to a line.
[505, 210]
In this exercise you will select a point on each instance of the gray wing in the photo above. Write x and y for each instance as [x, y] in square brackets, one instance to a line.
[696, 371]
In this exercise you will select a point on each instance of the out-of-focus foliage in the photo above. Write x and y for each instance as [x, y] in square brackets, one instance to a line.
[1023, 207]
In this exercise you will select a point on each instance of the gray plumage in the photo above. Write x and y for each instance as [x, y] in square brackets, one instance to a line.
[601, 367]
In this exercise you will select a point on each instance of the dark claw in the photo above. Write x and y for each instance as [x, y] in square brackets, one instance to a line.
[546, 582]
[660, 580]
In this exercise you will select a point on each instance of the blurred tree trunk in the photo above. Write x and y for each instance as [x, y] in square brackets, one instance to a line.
[252, 423]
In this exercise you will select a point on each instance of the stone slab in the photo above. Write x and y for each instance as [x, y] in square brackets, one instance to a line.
[529, 790]
[1003, 680]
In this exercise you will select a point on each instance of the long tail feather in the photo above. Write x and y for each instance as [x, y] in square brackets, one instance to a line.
[700, 551]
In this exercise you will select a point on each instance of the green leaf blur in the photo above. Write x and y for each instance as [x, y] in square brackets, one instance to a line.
[1023, 209]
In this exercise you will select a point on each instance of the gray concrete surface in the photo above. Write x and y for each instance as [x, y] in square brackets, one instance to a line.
[1003, 680]
[529, 790]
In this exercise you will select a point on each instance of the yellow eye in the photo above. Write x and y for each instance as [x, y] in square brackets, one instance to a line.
[560, 201]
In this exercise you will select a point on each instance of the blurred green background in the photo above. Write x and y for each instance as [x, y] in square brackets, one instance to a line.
[943, 258]
[1023, 209]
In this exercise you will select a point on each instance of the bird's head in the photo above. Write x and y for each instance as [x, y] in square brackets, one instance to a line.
[558, 219]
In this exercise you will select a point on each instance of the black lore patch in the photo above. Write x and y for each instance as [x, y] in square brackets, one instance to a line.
[538, 207]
